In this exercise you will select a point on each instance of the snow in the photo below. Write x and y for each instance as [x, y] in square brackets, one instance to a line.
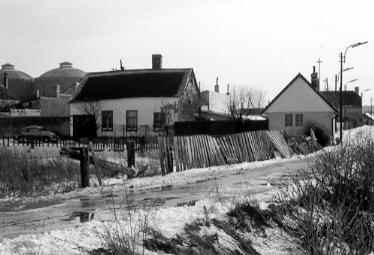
[170, 221]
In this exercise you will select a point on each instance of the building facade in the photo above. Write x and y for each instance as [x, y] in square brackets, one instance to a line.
[298, 106]
[128, 102]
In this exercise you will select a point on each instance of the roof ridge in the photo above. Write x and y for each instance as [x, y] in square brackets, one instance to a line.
[126, 71]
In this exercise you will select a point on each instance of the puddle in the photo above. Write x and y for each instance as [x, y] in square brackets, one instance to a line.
[82, 216]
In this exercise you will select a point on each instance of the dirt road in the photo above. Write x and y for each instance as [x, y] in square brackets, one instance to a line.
[72, 212]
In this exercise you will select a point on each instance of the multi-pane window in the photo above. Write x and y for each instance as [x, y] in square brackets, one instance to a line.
[158, 120]
[131, 120]
[107, 120]
[288, 120]
[299, 120]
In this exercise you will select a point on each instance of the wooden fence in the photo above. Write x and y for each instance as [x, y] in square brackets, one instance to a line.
[199, 151]
[99, 143]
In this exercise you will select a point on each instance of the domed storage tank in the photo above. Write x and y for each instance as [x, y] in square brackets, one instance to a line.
[18, 83]
[66, 76]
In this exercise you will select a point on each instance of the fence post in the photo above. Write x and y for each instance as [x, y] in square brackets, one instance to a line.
[85, 176]
[130, 153]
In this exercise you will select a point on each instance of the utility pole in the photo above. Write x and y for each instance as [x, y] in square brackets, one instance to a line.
[327, 84]
[341, 98]
[319, 61]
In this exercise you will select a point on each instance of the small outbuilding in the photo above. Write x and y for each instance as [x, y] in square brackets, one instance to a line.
[299, 106]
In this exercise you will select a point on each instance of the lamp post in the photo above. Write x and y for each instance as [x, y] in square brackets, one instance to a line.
[342, 60]
[345, 85]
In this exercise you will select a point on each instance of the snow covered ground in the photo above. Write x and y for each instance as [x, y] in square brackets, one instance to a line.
[170, 221]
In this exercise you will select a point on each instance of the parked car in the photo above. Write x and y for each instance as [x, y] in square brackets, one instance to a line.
[36, 133]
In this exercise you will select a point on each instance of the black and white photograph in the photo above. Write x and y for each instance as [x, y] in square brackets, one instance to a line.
[186, 127]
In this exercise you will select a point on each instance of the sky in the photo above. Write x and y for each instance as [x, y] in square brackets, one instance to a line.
[258, 44]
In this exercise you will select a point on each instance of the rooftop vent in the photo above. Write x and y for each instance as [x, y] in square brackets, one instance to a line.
[66, 65]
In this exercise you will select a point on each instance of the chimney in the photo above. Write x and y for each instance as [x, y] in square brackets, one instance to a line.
[5, 80]
[314, 79]
[58, 91]
[357, 90]
[156, 61]
[216, 87]
[228, 89]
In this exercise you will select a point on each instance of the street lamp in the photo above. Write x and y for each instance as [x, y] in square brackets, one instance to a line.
[345, 85]
[342, 60]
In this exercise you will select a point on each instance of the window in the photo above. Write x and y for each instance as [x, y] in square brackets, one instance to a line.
[107, 120]
[299, 120]
[158, 120]
[131, 120]
[288, 120]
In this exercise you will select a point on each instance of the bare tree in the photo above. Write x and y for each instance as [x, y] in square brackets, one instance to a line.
[242, 98]
[91, 108]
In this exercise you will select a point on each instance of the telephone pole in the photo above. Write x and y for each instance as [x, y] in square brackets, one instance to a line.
[319, 61]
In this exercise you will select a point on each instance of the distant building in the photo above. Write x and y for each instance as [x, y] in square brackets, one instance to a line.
[130, 101]
[352, 106]
[15, 84]
[297, 106]
[65, 77]
[215, 105]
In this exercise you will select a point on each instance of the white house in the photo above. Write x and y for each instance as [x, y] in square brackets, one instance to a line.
[215, 105]
[130, 101]
[297, 106]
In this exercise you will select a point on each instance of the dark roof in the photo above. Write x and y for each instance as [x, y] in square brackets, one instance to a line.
[252, 111]
[307, 82]
[133, 83]
[349, 98]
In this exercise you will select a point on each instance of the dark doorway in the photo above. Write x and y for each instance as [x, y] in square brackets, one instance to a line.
[84, 126]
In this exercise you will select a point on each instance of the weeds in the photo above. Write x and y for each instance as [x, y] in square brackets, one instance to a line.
[23, 173]
[329, 206]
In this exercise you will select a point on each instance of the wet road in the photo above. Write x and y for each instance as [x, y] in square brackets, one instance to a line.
[72, 212]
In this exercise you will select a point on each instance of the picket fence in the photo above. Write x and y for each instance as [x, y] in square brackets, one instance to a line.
[199, 151]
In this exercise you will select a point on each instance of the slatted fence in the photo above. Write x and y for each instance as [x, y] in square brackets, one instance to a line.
[99, 143]
[198, 151]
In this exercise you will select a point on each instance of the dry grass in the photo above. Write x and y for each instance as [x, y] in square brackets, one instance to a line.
[330, 206]
[27, 173]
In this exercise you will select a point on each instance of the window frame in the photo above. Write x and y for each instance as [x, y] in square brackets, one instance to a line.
[160, 123]
[288, 122]
[299, 122]
[131, 128]
[104, 127]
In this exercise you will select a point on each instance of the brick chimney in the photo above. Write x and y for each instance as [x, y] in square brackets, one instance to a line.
[216, 87]
[156, 61]
[314, 79]
[357, 90]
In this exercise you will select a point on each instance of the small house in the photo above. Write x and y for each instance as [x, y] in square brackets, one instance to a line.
[298, 106]
[133, 102]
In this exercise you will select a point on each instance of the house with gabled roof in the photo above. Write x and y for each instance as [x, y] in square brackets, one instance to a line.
[299, 105]
[131, 101]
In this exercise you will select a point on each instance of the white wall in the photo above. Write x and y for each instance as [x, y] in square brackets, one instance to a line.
[321, 119]
[217, 102]
[145, 106]
[299, 97]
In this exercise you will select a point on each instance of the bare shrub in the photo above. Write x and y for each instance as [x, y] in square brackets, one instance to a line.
[329, 206]
[321, 133]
